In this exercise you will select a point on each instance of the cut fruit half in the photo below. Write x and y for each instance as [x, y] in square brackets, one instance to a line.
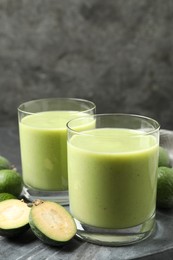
[14, 217]
[51, 223]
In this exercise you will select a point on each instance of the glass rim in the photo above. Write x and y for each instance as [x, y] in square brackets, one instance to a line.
[152, 121]
[19, 108]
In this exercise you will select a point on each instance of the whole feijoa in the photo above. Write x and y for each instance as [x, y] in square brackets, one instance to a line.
[165, 187]
[164, 159]
[6, 196]
[4, 163]
[11, 182]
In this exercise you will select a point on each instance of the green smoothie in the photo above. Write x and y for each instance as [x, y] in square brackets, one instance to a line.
[112, 177]
[43, 149]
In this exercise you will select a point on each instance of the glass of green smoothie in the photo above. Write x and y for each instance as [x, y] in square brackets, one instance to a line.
[112, 177]
[43, 143]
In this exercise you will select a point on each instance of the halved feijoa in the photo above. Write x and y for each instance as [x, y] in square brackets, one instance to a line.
[14, 217]
[51, 223]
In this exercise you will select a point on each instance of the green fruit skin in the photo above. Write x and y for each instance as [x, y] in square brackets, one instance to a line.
[165, 188]
[4, 163]
[6, 196]
[43, 237]
[163, 157]
[10, 182]
[14, 231]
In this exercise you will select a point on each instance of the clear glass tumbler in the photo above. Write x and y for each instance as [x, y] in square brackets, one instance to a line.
[43, 135]
[112, 177]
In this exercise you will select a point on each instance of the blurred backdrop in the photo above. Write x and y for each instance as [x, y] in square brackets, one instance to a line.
[117, 53]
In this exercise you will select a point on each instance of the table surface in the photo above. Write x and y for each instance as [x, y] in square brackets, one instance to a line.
[27, 246]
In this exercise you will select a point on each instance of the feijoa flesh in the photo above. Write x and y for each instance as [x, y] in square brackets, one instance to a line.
[51, 223]
[14, 217]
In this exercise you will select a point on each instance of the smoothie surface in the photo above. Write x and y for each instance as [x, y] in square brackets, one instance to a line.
[110, 140]
[50, 119]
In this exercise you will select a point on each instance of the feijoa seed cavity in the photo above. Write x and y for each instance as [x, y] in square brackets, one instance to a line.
[51, 223]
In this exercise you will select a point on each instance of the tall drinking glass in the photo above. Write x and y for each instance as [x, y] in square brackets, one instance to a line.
[112, 177]
[43, 133]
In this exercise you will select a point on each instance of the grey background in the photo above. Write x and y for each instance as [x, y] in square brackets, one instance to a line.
[117, 53]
